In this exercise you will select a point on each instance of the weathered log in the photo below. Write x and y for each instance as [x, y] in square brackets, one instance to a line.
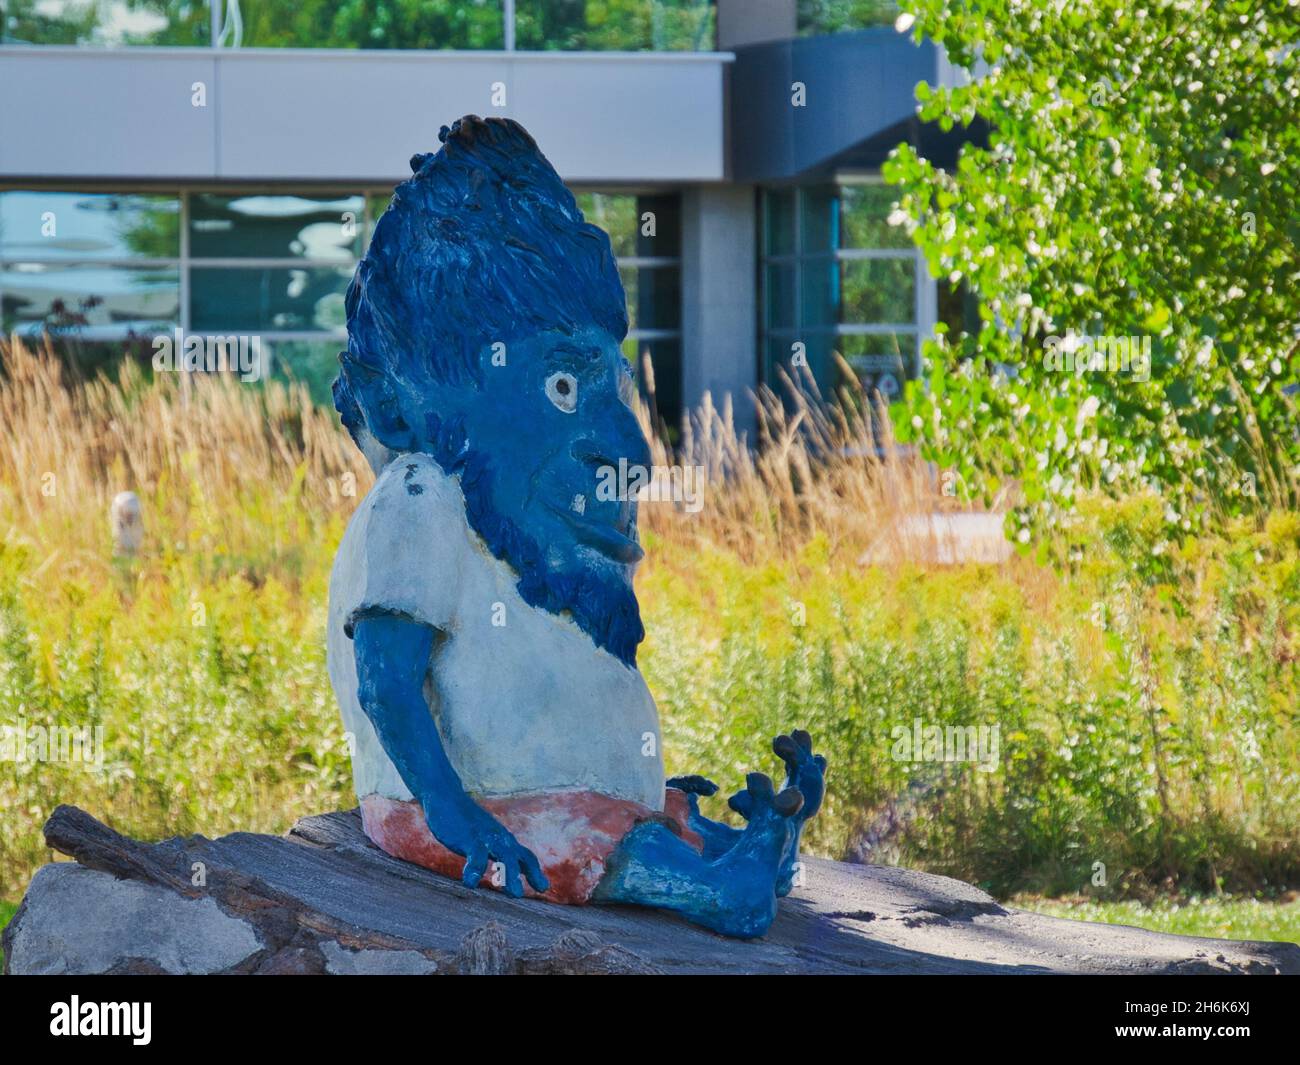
[323, 899]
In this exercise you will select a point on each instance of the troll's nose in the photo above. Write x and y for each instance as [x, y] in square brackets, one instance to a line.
[626, 442]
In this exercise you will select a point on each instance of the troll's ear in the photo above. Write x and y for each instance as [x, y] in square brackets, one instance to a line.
[367, 400]
[367, 392]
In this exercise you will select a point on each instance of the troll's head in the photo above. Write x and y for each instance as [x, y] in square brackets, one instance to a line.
[484, 326]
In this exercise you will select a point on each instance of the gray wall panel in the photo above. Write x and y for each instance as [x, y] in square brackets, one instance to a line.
[293, 115]
[626, 118]
[70, 113]
[340, 117]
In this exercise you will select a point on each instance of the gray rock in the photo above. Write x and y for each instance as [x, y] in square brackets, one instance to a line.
[340, 961]
[77, 920]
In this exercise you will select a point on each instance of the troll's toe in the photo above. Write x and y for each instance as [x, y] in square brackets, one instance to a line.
[756, 798]
[804, 769]
[759, 801]
[789, 802]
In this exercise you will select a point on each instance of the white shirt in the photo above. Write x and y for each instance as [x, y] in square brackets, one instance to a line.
[524, 700]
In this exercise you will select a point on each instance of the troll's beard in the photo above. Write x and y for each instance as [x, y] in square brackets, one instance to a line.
[596, 591]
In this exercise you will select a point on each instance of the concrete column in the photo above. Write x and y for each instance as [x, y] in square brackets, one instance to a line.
[719, 298]
[742, 22]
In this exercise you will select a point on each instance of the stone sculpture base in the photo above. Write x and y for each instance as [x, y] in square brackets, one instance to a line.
[324, 899]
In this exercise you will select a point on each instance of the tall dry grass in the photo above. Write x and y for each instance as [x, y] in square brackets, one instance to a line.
[196, 449]
[808, 469]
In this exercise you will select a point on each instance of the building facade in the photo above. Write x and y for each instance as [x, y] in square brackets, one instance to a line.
[218, 171]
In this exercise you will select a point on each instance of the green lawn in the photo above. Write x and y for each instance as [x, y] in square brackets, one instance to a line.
[1219, 918]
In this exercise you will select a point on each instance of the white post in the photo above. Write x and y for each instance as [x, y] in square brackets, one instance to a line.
[508, 15]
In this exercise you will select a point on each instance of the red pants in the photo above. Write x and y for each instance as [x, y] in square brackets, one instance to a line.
[572, 833]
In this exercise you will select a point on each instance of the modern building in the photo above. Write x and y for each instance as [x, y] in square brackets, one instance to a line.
[168, 164]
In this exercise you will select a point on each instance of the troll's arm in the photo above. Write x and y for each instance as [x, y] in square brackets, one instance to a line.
[392, 653]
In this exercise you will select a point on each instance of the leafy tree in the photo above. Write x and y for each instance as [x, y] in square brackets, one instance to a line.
[465, 24]
[1140, 181]
[182, 22]
[836, 16]
[614, 25]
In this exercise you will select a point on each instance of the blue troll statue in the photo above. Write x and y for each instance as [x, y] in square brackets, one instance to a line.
[483, 625]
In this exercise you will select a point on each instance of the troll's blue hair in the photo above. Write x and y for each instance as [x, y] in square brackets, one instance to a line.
[482, 244]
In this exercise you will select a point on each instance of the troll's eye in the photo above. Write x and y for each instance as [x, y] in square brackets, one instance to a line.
[562, 390]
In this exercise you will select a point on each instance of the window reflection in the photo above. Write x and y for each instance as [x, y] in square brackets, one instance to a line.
[271, 299]
[864, 214]
[276, 227]
[93, 300]
[878, 290]
[42, 224]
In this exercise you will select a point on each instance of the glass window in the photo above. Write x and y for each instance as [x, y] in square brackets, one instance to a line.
[274, 264]
[654, 297]
[818, 221]
[819, 293]
[779, 296]
[662, 384]
[835, 279]
[881, 361]
[630, 275]
[645, 235]
[875, 349]
[878, 290]
[659, 226]
[777, 354]
[779, 350]
[957, 308]
[647, 227]
[553, 25]
[864, 218]
[78, 225]
[261, 226]
[778, 223]
[296, 299]
[107, 269]
[616, 215]
[89, 299]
